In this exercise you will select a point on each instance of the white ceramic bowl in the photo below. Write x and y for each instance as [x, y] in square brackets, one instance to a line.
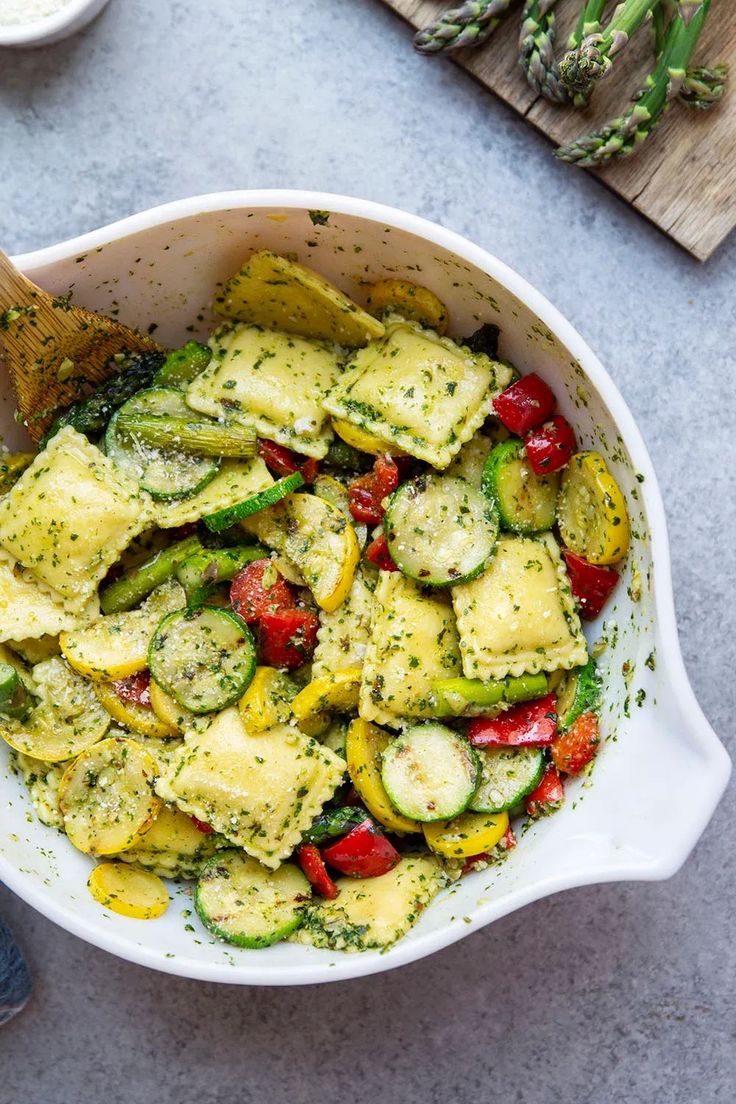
[52, 28]
[661, 771]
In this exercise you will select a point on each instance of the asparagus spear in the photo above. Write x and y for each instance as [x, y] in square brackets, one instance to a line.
[589, 22]
[200, 438]
[469, 25]
[593, 59]
[200, 573]
[703, 86]
[622, 136]
[182, 365]
[536, 50]
[137, 584]
[15, 700]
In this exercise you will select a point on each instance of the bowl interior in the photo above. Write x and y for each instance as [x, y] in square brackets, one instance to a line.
[164, 275]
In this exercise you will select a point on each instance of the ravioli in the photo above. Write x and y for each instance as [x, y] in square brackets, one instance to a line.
[272, 381]
[29, 611]
[519, 616]
[236, 481]
[344, 634]
[414, 643]
[419, 390]
[261, 791]
[69, 517]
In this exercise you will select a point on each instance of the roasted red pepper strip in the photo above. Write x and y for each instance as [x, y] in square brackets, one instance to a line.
[591, 585]
[135, 688]
[259, 588]
[367, 492]
[525, 404]
[575, 748]
[363, 853]
[313, 866]
[288, 637]
[548, 795]
[530, 724]
[282, 461]
[377, 552]
[550, 447]
[202, 825]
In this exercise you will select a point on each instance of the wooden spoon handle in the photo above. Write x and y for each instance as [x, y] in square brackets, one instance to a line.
[15, 289]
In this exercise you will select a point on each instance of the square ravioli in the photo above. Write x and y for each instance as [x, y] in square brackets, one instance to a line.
[70, 515]
[273, 381]
[519, 616]
[261, 791]
[421, 391]
[344, 634]
[414, 643]
[28, 612]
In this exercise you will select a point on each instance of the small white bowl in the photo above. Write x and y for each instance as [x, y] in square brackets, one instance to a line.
[661, 770]
[52, 28]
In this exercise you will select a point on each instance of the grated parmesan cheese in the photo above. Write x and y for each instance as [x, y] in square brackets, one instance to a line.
[18, 12]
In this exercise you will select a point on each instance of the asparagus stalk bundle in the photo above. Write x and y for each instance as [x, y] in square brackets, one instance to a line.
[469, 25]
[593, 59]
[537, 50]
[197, 437]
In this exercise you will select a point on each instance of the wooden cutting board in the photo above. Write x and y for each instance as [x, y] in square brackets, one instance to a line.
[684, 177]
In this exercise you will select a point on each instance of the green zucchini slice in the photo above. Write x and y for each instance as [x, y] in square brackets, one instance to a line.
[578, 693]
[242, 902]
[464, 697]
[228, 517]
[430, 772]
[440, 530]
[163, 473]
[204, 658]
[506, 776]
[526, 502]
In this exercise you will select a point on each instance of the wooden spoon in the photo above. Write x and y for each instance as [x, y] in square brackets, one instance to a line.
[54, 351]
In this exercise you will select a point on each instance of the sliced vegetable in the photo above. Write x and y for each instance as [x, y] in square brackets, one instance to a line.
[526, 502]
[440, 530]
[204, 658]
[136, 584]
[377, 552]
[576, 747]
[140, 719]
[259, 588]
[550, 447]
[507, 776]
[190, 435]
[335, 693]
[367, 492]
[224, 519]
[362, 441]
[430, 772]
[314, 867]
[15, 699]
[466, 835]
[345, 457]
[525, 404]
[363, 853]
[288, 637]
[530, 724]
[242, 902]
[464, 697]
[335, 822]
[173, 718]
[579, 692]
[484, 340]
[135, 688]
[591, 512]
[411, 301]
[127, 891]
[182, 365]
[201, 573]
[282, 461]
[364, 747]
[106, 797]
[267, 701]
[591, 585]
[547, 796]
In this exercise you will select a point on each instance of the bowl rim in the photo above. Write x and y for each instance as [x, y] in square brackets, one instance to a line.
[699, 729]
[37, 30]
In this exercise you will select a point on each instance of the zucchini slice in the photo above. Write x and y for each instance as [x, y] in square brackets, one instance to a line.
[364, 746]
[127, 891]
[106, 797]
[203, 658]
[464, 697]
[163, 473]
[224, 519]
[591, 513]
[578, 693]
[440, 530]
[526, 502]
[506, 775]
[430, 772]
[242, 902]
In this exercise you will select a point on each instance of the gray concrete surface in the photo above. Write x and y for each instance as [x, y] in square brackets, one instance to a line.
[613, 993]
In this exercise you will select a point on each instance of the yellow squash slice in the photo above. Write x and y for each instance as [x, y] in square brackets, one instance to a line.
[467, 834]
[411, 301]
[363, 746]
[267, 701]
[364, 441]
[133, 716]
[173, 847]
[334, 693]
[129, 892]
[106, 797]
[591, 510]
[173, 717]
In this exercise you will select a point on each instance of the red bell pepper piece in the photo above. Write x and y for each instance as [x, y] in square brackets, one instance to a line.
[258, 588]
[591, 585]
[288, 637]
[313, 866]
[377, 552]
[135, 689]
[282, 461]
[550, 447]
[529, 724]
[575, 748]
[507, 843]
[525, 404]
[367, 492]
[202, 825]
[363, 853]
[548, 795]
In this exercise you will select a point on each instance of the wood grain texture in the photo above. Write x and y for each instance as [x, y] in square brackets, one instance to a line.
[684, 177]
